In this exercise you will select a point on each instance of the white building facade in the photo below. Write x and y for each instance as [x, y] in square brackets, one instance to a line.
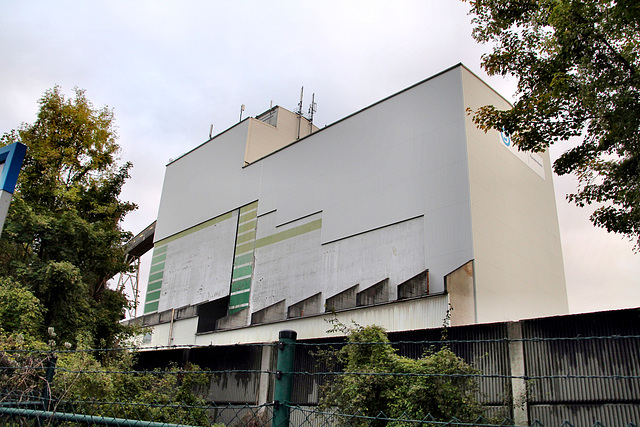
[388, 216]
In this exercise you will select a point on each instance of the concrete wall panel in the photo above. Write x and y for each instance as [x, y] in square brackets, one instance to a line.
[198, 265]
[518, 256]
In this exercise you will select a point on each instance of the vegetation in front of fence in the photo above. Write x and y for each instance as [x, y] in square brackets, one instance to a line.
[370, 385]
[100, 383]
[439, 385]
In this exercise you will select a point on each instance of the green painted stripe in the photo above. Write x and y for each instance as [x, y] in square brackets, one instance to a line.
[153, 296]
[248, 237]
[154, 286]
[249, 207]
[243, 259]
[247, 247]
[240, 285]
[156, 276]
[150, 307]
[158, 258]
[249, 216]
[241, 272]
[247, 226]
[237, 309]
[239, 299]
[195, 228]
[156, 268]
[157, 250]
[288, 234]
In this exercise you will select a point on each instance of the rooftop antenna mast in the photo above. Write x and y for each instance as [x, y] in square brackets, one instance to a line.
[312, 109]
[300, 112]
[241, 110]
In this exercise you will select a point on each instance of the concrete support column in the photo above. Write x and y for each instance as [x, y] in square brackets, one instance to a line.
[518, 385]
[265, 378]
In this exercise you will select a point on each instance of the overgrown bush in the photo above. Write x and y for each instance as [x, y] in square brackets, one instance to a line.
[88, 382]
[377, 382]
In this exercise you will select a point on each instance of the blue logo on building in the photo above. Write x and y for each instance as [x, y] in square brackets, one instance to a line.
[506, 138]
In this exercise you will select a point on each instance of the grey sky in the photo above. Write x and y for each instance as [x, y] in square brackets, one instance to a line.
[170, 69]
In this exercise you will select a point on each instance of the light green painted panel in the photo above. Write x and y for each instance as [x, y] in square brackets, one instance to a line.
[237, 309]
[158, 258]
[239, 299]
[157, 250]
[154, 286]
[156, 276]
[247, 247]
[247, 217]
[150, 307]
[156, 268]
[248, 237]
[249, 207]
[288, 234]
[243, 259]
[242, 271]
[247, 226]
[152, 296]
[240, 285]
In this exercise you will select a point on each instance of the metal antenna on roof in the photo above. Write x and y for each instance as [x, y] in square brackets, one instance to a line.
[312, 109]
[241, 110]
[300, 112]
[211, 131]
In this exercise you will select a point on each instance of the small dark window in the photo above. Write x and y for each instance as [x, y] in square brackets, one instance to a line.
[210, 312]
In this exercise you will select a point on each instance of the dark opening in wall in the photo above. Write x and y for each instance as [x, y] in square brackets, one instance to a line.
[376, 294]
[342, 301]
[210, 312]
[306, 307]
[417, 286]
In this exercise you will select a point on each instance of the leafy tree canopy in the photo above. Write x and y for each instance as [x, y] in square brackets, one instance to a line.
[62, 239]
[577, 64]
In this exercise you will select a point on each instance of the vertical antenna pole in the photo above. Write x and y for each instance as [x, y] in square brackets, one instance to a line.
[241, 110]
[300, 112]
[312, 109]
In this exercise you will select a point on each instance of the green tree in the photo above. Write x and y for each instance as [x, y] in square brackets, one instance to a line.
[439, 384]
[577, 65]
[62, 239]
[20, 310]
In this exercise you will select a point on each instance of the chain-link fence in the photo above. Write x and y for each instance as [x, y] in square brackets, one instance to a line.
[106, 387]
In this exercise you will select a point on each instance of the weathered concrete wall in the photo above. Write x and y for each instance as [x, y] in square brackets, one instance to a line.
[197, 264]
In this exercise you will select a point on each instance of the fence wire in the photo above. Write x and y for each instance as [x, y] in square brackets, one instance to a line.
[105, 387]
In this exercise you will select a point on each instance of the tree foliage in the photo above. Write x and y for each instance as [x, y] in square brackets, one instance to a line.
[439, 384]
[62, 240]
[105, 386]
[578, 68]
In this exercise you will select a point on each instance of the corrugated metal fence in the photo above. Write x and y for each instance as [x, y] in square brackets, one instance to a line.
[584, 368]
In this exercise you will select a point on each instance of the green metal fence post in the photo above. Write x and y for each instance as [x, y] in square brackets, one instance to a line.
[282, 391]
[51, 370]
[46, 392]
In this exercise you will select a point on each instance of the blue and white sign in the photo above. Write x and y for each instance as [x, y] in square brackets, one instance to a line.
[533, 160]
[11, 158]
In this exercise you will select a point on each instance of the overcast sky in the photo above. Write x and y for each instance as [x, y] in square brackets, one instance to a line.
[170, 69]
